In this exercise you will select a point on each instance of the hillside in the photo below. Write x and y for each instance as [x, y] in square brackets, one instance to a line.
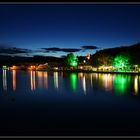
[106, 56]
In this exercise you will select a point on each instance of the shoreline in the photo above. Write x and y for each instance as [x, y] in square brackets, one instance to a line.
[90, 71]
[84, 71]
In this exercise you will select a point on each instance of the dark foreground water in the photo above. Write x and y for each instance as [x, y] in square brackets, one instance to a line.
[68, 104]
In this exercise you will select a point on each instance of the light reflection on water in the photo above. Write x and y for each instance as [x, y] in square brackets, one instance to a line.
[4, 80]
[40, 79]
[14, 79]
[136, 85]
[84, 84]
[74, 82]
[55, 76]
[33, 80]
[45, 80]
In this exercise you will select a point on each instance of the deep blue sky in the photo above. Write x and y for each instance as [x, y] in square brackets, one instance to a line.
[69, 26]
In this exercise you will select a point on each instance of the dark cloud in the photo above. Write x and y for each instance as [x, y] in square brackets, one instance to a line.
[61, 49]
[89, 47]
[5, 49]
[51, 49]
[70, 50]
[67, 50]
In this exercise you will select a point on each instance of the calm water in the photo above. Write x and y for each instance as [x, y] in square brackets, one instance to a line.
[52, 104]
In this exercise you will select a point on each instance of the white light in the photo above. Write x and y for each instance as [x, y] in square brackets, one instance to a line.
[84, 84]
[4, 80]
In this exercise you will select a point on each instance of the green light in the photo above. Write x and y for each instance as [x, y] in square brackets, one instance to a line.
[120, 84]
[121, 62]
[72, 60]
[73, 81]
[74, 63]
[4, 67]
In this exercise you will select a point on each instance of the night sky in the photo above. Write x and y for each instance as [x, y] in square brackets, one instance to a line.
[33, 27]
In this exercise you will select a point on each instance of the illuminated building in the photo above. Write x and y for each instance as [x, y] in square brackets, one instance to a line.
[13, 67]
[4, 67]
[88, 56]
[32, 68]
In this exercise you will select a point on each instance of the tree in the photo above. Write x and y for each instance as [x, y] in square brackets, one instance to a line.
[105, 60]
[101, 59]
[121, 61]
[71, 60]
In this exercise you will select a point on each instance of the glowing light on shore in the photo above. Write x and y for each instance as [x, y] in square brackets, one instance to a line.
[32, 68]
[4, 67]
[13, 67]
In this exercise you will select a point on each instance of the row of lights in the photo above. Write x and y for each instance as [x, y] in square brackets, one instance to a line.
[16, 67]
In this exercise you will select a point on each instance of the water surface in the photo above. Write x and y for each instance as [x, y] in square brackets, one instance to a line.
[57, 103]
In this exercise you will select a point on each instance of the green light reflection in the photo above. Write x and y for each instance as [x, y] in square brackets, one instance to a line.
[120, 84]
[73, 81]
[56, 80]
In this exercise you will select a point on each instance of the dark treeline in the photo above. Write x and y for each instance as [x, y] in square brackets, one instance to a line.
[17, 60]
[106, 56]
